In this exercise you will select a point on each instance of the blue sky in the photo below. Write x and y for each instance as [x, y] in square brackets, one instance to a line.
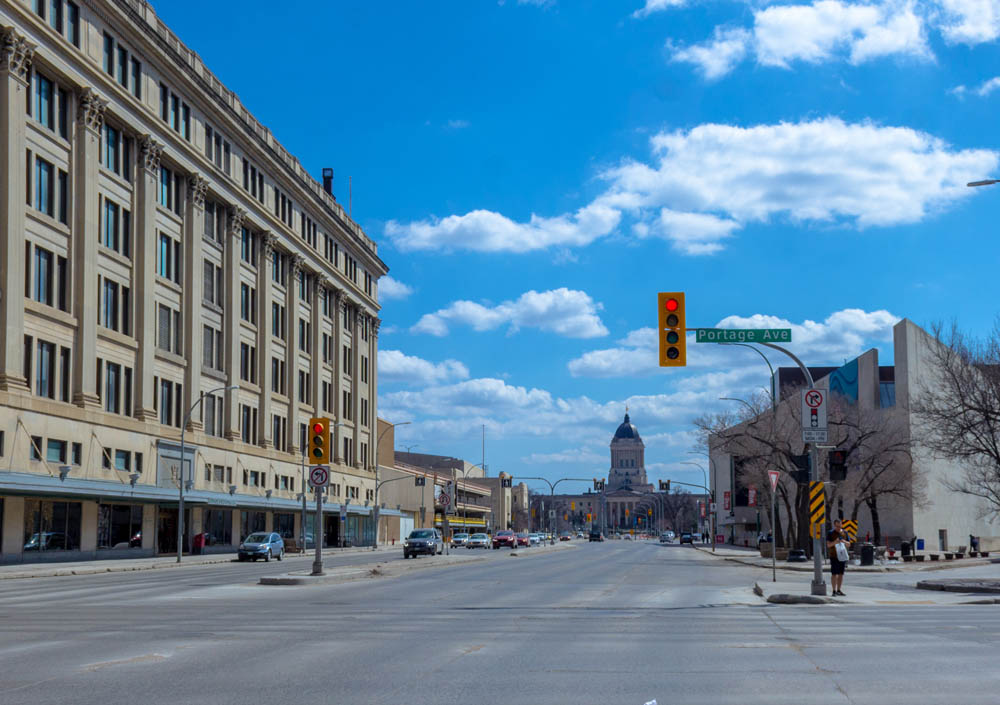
[534, 172]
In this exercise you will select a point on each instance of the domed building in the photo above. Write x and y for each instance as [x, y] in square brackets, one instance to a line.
[626, 494]
[628, 459]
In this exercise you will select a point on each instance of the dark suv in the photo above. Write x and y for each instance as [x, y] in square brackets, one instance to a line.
[596, 536]
[426, 541]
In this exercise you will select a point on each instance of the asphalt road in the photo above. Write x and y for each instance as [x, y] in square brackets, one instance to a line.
[617, 622]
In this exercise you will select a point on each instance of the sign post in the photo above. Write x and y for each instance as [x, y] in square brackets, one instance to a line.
[319, 478]
[814, 429]
[773, 475]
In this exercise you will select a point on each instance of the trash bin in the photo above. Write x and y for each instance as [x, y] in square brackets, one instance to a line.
[905, 548]
[867, 554]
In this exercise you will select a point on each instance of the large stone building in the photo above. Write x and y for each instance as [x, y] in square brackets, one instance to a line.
[160, 248]
[629, 501]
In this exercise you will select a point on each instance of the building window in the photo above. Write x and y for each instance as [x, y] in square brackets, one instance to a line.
[123, 460]
[248, 247]
[109, 54]
[169, 329]
[277, 320]
[278, 432]
[136, 78]
[45, 370]
[114, 306]
[117, 149]
[44, 186]
[248, 303]
[64, 373]
[248, 363]
[168, 401]
[218, 527]
[119, 525]
[51, 526]
[214, 413]
[43, 101]
[169, 192]
[44, 276]
[168, 258]
[212, 348]
[112, 389]
[277, 376]
[212, 284]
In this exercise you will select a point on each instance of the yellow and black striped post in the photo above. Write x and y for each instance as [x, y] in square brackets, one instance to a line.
[817, 508]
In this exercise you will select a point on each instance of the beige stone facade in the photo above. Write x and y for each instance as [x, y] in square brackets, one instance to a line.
[158, 243]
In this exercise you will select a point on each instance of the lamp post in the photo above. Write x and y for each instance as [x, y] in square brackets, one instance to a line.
[180, 482]
[376, 506]
[708, 493]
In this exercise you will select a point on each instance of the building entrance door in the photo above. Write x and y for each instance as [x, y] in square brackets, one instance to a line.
[331, 531]
[166, 530]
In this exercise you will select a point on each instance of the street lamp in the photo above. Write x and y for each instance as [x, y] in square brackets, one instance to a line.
[985, 182]
[708, 494]
[769, 366]
[376, 506]
[180, 479]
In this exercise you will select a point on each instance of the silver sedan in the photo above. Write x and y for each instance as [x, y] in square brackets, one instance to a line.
[478, 541]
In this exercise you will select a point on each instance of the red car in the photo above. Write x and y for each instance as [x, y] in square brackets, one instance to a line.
[523, 539]
[504, 537]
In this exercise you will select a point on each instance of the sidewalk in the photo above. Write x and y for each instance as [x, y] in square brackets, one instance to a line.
[798, 593]
[114, 565]
[749, 556]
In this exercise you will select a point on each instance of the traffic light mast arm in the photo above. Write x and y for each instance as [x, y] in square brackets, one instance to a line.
[689, 484]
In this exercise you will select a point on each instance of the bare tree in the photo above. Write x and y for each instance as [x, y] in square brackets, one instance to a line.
[958, 410]
[679, 509]
[877, 445]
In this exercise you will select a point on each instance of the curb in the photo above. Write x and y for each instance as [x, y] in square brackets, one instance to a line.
[807, 567]
[959, 585]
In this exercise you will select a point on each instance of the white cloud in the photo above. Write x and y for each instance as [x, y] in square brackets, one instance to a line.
[970, 21]
[563, 311]
[843, 335]
[458, 124]
[823, 30]
[389, 288]
[693, 233]
[652, 6]
[709, 181]
[984, 89]
[819, 170]
[718, 56]
[488, 231]
[395, 366]
[812, 33]
[573, 455]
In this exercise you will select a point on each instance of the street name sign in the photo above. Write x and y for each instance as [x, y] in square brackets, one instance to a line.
[319, 476]
[743, 335]
[814, 428]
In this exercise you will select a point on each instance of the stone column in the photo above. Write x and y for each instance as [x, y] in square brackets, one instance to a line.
[194, 228]
[372, 382]
[316, 364]
[83, 246]
[265, 272]
[144, 272]
[15, 60]
[295, 264]
[356, 321]
[231, 318]
[340, 306]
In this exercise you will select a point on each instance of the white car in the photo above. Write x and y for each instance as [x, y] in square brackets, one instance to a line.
[478, 541]
[535, 539]
[459, 539]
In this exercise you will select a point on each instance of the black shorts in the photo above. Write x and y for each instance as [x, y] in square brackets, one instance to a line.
[837, 567]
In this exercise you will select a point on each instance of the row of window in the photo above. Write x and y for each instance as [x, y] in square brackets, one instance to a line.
[125, 69]
[63, 17]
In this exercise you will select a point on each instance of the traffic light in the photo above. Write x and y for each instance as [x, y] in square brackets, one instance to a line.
[598, 485]
[572, 506]
[319, 441]
[419, 481]
[673, 344]
[838, 465]
[801, 476]
[649, 512]
[506, 481]
[664, 485]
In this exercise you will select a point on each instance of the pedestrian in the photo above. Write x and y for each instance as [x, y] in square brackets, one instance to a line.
[837, 536]
[973, 543]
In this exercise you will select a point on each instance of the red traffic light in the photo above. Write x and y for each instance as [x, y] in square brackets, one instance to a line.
[671, 304]
[318, 428]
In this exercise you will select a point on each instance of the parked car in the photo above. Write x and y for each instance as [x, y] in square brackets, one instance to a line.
[426, 541]
[504, 537]
[261, 545]
[596, 536]
[523, 539]
[478, 541]
[535, 538]
[51, 541]
[687, 538]
[459, 539]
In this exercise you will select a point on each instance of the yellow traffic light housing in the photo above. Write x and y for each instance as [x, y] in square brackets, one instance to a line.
[671, 331]
[319, 441]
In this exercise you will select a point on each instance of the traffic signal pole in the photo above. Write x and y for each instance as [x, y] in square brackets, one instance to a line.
[818, 585]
